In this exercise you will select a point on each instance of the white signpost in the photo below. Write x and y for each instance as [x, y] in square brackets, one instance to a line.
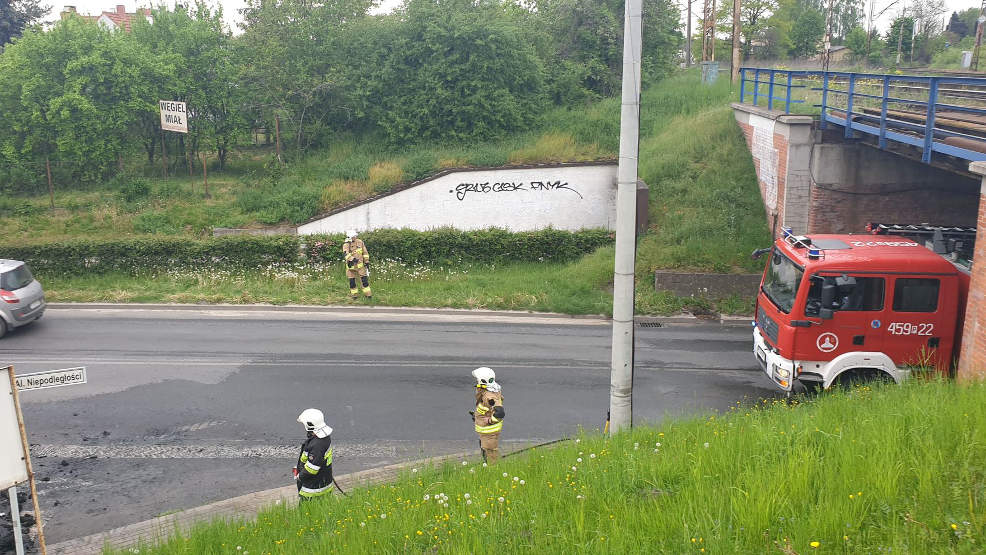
[15, 457]
[174, 116]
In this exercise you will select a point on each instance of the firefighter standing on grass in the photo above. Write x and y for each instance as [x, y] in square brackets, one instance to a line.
[357, 264]
[313, 471]
[488, 416]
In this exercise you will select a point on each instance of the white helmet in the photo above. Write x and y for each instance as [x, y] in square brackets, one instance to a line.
[486, 378]
[314, 422]
[351, 234]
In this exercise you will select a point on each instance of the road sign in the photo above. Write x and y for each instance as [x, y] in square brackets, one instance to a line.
[13, 468]
[53, 378]
[174, 117]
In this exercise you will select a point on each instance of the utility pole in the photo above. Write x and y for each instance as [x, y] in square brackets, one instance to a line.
[979, 36]
[826, 56]
[736, 41]
[688, 38]
[869, 28]
[900, 38]
[709, 31]
[621, 374]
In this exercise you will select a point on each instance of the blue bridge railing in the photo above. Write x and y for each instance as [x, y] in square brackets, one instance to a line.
[942, 114]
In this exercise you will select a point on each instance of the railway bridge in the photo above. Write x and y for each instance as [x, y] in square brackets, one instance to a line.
[836, 151]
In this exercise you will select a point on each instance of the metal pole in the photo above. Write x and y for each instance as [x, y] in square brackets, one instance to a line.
[27, 462]
[736, 40]
[979, 36]
[869, 29]
[688, 39]
[828, 38]
[15, 514]
[621, 376]
[900, 40]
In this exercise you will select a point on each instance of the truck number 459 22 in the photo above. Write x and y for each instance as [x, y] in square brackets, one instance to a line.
[906, 328]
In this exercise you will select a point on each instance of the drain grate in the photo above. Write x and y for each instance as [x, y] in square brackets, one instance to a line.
[650, 324]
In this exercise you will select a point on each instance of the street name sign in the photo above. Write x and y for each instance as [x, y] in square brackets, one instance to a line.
[53, 378]
[13, 468]
[174, 117]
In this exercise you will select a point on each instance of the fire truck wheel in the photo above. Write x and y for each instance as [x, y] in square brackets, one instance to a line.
[862, 376]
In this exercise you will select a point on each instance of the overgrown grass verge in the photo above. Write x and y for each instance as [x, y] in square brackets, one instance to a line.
[883, 470]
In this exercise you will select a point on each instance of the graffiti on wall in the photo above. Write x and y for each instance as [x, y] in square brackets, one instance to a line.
[462, 189]
[766, 156]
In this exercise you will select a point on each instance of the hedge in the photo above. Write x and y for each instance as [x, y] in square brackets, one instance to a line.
[451, 246]
[134, 255]
[443, 246]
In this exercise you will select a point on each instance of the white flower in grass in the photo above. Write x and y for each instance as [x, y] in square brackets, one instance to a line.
[578, 441]
[362, 525]
[427, 497]
[414, 471]
[464, 463]
[655, 450]
[636, 446]
[574, 468]
[706, 445]
[466, 495]
[592, 455]
[500, 499]
[658, 444]
[522, 482]
[504, 474]
[472, 471]
[383, 515]
[516, 478]
[484, 465]
[482, 515]
[579, 497]
[578, 459]
[468, 501]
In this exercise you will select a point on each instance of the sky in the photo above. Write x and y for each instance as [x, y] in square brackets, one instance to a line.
[231, 7]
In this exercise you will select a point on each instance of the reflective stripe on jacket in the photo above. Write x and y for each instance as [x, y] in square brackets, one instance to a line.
[484, 420]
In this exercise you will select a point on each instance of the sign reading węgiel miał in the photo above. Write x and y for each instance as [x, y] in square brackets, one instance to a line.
[53, 378]
[174, 117]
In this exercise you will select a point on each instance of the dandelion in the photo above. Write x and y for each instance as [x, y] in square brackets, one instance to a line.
[578, 441]
[419, 532]
[655, 450]
[658, 444]
[362, 525]
[482, 515]
[468, 501]
[472, 471]
[706, 444]
[500, 499]
[484, 465]
[427, 497]
[383, 515]
[466, 495]
[574, 469]
[636, 446]
[815, 545]
[954, 526]
[578, 459]
[522, 482]
[592, 455]
[414, 471]
[516, 478]
[579, 497]
[464, 463]
[504, 474]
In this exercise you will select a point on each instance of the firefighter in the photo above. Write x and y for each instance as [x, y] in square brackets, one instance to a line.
[488, 416]
[313, 471]
[357, 264]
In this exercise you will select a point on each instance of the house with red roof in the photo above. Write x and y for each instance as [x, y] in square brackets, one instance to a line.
[119, 19]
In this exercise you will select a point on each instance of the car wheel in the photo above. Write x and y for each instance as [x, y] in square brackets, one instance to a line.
[3, 327]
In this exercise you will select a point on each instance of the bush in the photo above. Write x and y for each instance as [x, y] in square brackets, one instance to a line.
[451, 246]
[144, 254]
[135, 190]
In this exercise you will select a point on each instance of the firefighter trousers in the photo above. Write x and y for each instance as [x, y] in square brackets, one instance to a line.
[490, 444]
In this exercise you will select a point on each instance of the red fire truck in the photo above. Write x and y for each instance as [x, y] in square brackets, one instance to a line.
[840, 309]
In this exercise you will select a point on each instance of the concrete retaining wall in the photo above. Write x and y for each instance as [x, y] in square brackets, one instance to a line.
[564, 196]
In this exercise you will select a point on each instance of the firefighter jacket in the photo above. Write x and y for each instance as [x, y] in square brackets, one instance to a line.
[356, 254]
[489, 412]
[315, 467]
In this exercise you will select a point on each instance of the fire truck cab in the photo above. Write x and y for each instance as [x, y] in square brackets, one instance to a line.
[847, 308]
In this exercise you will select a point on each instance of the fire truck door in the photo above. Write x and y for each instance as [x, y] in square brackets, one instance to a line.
[856, 307]
[920, 327]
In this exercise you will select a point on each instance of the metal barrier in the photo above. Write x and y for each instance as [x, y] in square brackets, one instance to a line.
[940, 114]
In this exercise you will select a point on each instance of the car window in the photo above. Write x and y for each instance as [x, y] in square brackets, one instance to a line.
[916, 295]
[16, 278]
[852, 293]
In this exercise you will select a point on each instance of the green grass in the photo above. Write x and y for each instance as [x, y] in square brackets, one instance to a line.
[898, 469]
[705, 212]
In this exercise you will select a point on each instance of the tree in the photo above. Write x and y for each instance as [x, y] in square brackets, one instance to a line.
[15, 15]
[807, 32]
[856, 42]
[754, 18]
[900, 34]
[449, 70]
[290, 64]
[958, 26]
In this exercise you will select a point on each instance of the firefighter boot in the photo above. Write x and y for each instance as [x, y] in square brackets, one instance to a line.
[353, 292]
[366, 287]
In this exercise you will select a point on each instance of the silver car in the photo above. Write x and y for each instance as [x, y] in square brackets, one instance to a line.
[22, 300]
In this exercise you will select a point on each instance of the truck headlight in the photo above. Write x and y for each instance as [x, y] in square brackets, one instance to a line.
[781, 372]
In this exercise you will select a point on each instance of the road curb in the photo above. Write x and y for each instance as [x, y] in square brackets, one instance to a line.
[684, 318]
[242, 507]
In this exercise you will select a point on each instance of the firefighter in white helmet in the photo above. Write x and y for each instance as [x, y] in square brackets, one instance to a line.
[357, 264]
[313, 471]
[488, 416]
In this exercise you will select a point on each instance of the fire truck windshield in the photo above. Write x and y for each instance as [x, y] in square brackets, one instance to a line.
[782, 281]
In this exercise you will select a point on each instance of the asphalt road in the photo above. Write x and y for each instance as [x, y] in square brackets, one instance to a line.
[187, 407]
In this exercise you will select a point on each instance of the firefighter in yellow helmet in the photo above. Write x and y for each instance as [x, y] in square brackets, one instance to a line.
[357, 264]
[488, 416]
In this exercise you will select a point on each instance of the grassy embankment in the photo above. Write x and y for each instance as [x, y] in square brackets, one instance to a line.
[885, 470]
[705, 214]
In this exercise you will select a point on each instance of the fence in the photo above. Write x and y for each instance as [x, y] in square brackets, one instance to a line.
[935, 114]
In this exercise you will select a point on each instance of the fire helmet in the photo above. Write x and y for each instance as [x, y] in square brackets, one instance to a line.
[484, 376]
[314, 422]
[351, 234]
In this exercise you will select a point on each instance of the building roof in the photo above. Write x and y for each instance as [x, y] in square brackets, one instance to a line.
[120, 18]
